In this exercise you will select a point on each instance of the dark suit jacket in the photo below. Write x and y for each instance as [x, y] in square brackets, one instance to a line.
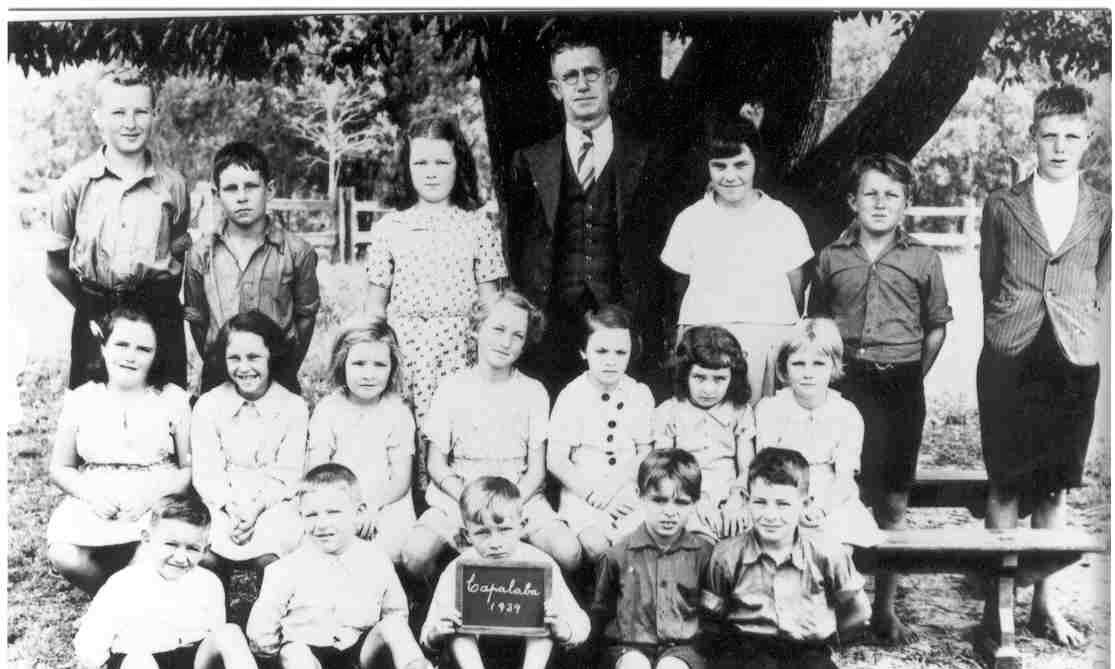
[1023, 280]
[535, 189]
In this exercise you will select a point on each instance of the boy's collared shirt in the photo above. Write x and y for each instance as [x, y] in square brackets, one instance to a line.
[795, 599]
[319, 599]
[279, 280]
[139, 611]
[1025, 281]
[885, 306]
[118, 229]
[650, 595]
[561, 600]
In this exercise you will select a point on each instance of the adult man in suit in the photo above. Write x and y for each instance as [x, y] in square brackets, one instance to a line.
[580, 231]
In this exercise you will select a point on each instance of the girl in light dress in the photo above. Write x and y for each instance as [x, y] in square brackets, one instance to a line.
[739, 254]
[710, 417]
[365, 425]
[489, 420]
[249, 437]
[810, 417]
[122, 443]
[430, 260]
[600, 430]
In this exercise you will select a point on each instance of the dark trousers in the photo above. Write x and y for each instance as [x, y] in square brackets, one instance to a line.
[891, 399]
[159, 300]
[756, 652]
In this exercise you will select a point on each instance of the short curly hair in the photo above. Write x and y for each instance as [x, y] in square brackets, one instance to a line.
[711, 347]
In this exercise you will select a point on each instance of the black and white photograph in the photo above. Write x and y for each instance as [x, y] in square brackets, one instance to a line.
[551, 338]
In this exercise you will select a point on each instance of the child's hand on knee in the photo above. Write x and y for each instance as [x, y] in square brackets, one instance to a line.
[737, 519]
[560, 629]
[813, 516]
[366, 525]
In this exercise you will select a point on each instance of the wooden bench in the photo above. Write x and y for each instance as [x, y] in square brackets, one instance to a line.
[938, 487]
[1008, 556]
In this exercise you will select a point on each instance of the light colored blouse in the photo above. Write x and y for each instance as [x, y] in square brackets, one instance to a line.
[714, 436]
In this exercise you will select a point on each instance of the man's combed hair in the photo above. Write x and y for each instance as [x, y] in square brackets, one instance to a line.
[330, 474]
[494, 495]
[780, 466]
[887, 163]
[188, 508]
[673, 464]
[580, 35]
[242, 154]
[1062, 100]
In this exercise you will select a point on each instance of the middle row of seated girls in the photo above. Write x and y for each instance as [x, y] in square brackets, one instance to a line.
[126, 440]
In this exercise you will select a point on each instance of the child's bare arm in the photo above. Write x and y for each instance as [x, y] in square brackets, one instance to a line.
[853, 614]
[264, 628]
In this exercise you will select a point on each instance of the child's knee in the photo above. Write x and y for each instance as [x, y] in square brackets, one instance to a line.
[228, 637]
[420, 553]
[295, 655]
[672, 662]
[64, 558]
[139, 661]
[633, 659]
[561, 544]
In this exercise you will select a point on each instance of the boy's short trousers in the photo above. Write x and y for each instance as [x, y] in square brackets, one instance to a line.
[333, 658]
[757, 652]
[179, 658]
[537, 516]
[686, 652]
[891, 399]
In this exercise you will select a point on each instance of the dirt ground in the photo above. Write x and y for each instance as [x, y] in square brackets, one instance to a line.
[943, 610]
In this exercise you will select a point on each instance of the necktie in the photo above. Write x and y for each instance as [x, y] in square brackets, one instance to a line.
[586, 166]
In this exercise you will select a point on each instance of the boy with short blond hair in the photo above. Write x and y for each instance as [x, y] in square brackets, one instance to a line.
[781, 597]
[119, 223]
[335, 601]
[659, 628]
[162, 611]
[250, 262]
[1044, 271]
[492, 509]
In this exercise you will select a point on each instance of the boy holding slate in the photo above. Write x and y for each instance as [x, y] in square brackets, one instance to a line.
[492, 510]
[644, 626]
[335, 602]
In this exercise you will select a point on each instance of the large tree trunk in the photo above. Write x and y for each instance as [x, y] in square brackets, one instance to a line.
[929, 74]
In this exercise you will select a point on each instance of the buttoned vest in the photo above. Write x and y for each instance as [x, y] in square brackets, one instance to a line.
[587, 270]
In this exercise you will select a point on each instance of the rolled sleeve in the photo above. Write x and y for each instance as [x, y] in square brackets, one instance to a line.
[936, 297]
[845, 580]
[64, 198]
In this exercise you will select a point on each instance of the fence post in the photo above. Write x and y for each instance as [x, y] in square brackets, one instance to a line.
[344, 231]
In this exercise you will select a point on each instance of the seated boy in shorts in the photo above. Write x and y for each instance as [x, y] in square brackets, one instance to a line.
[335, 601]
[782, 598]
[656, 627]
[492, 509]
[161, 612]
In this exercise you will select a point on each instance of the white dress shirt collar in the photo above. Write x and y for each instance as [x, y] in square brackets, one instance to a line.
[603, 139]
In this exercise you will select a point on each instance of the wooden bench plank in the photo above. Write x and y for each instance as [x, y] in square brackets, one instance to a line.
[978, 540]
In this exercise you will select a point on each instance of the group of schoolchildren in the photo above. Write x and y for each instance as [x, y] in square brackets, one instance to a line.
[720, 524]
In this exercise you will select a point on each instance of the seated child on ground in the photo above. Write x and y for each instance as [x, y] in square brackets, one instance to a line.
[161, 611]
[710, 417]
[335, 601]
[492, 509]
[367, 426]
[489, 420]
[599, 432]
[815, 420]
[643, 626]
[781, 597]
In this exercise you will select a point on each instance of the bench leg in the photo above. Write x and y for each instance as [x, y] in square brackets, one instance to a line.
[1001, 649]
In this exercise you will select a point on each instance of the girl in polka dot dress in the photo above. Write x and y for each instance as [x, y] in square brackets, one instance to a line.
[600, 430]
[431, 260]
[710, 417]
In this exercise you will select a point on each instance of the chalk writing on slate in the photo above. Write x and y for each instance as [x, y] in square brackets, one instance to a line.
[503, 597]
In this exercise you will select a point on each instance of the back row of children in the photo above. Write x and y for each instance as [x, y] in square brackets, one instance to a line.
[882, 287]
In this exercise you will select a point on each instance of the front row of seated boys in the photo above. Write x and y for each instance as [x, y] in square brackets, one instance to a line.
[665, 597]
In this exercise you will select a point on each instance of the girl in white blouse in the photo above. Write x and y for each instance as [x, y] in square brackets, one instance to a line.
[122, 443]
[366, 425]
[249, 437]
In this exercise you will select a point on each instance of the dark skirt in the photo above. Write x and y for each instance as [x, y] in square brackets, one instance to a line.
[1036, 414]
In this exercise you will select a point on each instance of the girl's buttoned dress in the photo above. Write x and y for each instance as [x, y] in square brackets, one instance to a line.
[604, 430]
[714, 436]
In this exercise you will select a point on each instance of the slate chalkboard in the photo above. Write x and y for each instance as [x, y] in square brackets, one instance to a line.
[503, 597]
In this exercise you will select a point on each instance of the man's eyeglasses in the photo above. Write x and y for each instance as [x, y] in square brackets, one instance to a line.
[591, 75]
